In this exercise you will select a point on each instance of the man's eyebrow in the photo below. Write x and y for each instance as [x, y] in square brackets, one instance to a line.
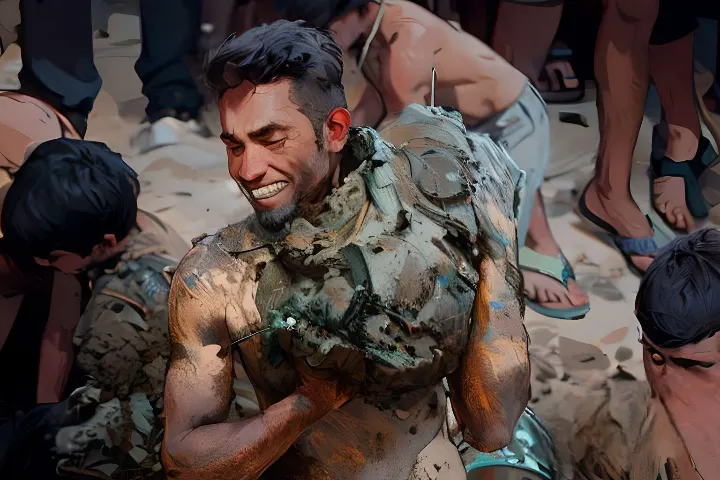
[229, 137]
[267, 130]
[688, 362]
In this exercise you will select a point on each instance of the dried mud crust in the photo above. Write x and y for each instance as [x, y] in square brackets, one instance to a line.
[379, 285]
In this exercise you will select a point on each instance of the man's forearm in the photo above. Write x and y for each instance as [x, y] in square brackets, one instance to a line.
[492, 386]
[244, 449]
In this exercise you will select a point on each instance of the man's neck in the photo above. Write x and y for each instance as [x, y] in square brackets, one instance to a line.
[373, 10]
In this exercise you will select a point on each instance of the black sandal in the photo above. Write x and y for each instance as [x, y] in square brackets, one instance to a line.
[690, 171]
[558, 54]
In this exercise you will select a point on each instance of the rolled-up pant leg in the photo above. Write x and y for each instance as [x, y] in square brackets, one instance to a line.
[524, 130]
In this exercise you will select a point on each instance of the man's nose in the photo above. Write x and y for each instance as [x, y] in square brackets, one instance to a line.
[253, 166]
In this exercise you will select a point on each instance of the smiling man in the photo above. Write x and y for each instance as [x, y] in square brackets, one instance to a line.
[395, 279]
[678, 307]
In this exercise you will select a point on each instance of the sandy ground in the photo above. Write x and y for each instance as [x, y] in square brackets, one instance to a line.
[187, 185]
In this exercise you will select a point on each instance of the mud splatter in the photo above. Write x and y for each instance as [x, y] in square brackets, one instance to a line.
[616, 336]
[601, 286]
[623, 354]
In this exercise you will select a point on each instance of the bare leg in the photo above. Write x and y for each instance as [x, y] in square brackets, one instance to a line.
[671, 68]
[524, 34]
[545, 291]
[621, 69]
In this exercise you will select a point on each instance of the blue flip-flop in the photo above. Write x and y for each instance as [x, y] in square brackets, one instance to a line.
[627, 246]
[560, 270]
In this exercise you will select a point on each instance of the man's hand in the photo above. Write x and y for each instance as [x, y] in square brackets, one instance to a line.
[203, 308]
[323, 393]
[330, 385]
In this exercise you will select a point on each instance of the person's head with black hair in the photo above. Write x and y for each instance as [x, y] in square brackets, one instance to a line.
[283, 114]
[678, 307]
[678, 304]
[348, 20]
[71, 204]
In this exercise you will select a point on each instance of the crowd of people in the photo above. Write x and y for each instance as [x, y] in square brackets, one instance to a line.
[410, 207]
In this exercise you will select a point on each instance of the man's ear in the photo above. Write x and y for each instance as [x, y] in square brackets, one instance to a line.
[109, 242]
[336, 129]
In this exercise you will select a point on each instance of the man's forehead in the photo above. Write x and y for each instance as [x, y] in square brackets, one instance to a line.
[261, 105]
[249, 93]
[706, 346]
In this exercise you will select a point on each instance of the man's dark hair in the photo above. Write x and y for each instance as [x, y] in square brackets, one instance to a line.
[318, 13]
[679, 299]
[67, 196]
[308, 57]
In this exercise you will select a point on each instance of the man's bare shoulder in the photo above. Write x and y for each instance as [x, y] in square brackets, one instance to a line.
[405, 22]
[229, 248]
[218, 277]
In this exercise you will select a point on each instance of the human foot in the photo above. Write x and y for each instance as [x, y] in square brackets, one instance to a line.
[550, 286]
[628, 224]
[677, 194]
[557, 82]
[549, 292]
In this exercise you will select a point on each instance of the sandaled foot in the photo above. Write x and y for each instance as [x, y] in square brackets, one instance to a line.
[675, 187]
[622, 219]
[550, 286]
[669, 201]
[557, 82]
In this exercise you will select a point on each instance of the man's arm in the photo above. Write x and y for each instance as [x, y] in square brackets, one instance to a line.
[491, 388]
[198, 389]
[410, 65]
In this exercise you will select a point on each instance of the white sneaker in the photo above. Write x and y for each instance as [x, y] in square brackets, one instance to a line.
[164, 132]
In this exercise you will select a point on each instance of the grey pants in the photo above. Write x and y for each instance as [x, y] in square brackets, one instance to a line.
[523, 129]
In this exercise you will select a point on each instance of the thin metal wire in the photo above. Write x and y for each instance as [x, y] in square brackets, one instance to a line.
[432, 87]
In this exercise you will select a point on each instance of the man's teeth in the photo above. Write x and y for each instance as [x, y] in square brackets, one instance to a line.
[268, 190]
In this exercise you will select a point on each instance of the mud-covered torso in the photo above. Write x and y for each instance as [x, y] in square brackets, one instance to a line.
[386, 269]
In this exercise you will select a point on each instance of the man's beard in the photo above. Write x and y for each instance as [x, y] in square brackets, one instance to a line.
[276, 220]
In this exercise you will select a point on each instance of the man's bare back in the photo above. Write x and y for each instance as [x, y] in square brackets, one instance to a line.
[470, 75]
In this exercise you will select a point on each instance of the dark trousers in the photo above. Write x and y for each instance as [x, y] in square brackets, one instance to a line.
[26, 443]
[58, 66]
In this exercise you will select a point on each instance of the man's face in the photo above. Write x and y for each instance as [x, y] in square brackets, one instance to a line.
[687, 382]
[272, 151]
[66, 262]
[72, 263]
[671, 370]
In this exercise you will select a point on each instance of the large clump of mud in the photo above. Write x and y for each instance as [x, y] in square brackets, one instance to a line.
[380, 285]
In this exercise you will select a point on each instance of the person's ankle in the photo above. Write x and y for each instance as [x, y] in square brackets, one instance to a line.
[682, 144]
[545, 246]
[606, 194]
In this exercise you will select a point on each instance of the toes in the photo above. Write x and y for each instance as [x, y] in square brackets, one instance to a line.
[542, 296]
[670, 214]
[576, 296]
[685, 220]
